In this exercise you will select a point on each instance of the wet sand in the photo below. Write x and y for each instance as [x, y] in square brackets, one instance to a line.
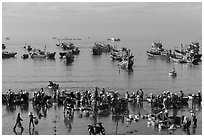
[54, 124]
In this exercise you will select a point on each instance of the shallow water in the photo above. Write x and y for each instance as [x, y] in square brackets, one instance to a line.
[54, 122]
[88, 71]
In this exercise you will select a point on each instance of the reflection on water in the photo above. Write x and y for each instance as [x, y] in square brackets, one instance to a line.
[33, 131]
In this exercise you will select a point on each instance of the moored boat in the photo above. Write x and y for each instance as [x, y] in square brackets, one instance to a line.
[69, 57]
[25, 56]
[75, 51]
[114, 39]
[51, 55]
[97, 49]
[53, 85]
[158, 50]
[6, 54]
[172, 73]
[27, 47]
[38, 55]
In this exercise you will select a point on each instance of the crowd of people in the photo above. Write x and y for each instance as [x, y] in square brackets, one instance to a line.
[101, 101]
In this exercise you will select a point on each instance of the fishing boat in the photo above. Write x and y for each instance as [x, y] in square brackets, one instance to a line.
[25, 56]
[6, 54]
[157, 50]
[75, 51]
[27, 47]
[184, 59]
[116, 56]
[39, 54]
[51, 55]
[62, 54]
[190, 50]
[69, 57]
[172, 73]
[127, 63]
[97, 49]
[53, 85]
[114, 39]
[177, 59]
[67, 46]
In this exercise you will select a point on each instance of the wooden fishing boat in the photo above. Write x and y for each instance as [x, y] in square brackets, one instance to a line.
[6, 54]
[38, 55]
[51, 55]
[97, 50]
[25, 56]
[172, 74]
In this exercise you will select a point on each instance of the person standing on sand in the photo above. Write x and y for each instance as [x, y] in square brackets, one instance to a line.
[18, 122]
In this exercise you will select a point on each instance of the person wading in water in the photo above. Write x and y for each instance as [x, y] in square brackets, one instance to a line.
[31, 120]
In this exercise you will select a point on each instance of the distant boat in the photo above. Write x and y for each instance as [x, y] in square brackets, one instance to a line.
[157, 50]
[27, 47]
[7, 38]
[184, 59]
[172, 73]
[97, 49]
[69, 57]
[6, 54]
[25, 56]
[127, 64]
[114, 39]
[51, 55]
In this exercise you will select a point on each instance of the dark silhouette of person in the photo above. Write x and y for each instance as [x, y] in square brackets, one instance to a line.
[18, 122]
[31, 120]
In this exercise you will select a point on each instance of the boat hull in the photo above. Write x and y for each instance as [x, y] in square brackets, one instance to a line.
[38, 56]
[172, 74]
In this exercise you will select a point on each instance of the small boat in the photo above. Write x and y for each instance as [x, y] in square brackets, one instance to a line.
[67, 46]
[75, 51]
[6, 54]
[172, 73]
[153, 53]
[114, 39]
[51, 55]
[27, 47]
[97, 49]
[127, 64]
[62, 54]
[53, 85]
[115, 57]
[36, 55]
[69, 57]
[25, 56]
[57, 44]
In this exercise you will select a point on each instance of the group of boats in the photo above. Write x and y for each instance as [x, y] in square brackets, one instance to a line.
[6, 54]
[189, 54]
[123, 56]
[100, 47]
[69, 50]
